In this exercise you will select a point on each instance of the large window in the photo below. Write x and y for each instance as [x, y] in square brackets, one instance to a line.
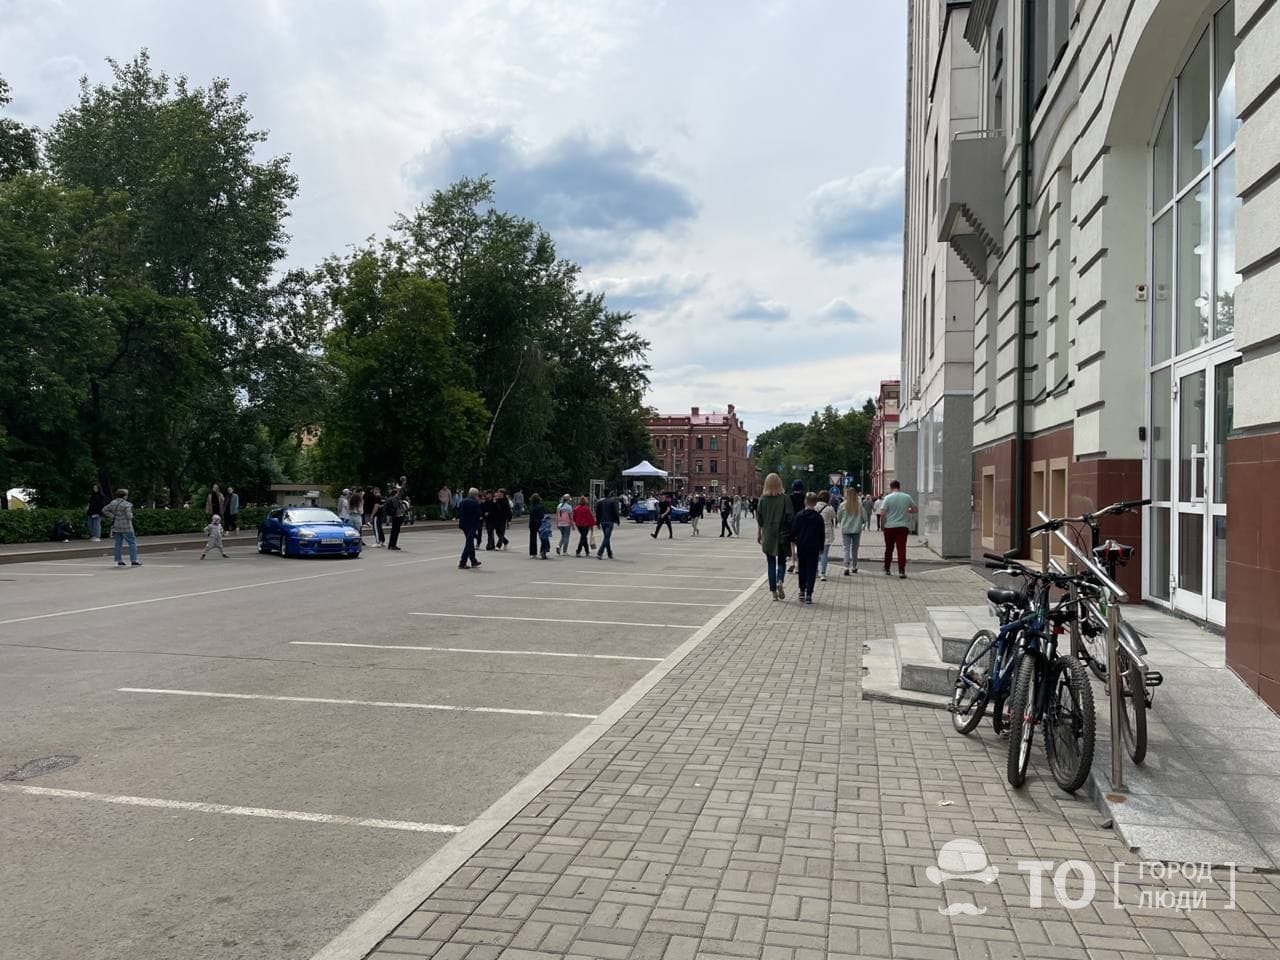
[1193, 200]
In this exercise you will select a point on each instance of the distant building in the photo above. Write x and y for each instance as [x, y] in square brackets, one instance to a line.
[703, 452]
[882, 437]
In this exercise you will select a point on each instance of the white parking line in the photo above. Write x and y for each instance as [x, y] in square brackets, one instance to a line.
[635, 586]
[671, 576]
[453, 708]
[175, 596]
[267, 812]
[652, 603]
[505, 653]
[601, 623]
[14, 573]
[405, 563]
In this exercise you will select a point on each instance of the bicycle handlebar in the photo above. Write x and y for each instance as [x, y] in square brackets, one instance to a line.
[1122, 506]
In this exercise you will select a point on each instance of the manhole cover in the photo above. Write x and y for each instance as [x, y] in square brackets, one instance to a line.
[38, 768]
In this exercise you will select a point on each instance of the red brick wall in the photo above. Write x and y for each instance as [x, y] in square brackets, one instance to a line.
[1253, 563]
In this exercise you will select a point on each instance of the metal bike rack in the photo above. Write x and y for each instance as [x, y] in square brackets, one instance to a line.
[1117, 594]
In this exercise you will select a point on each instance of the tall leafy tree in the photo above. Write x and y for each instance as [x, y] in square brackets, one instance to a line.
[404, 401]
[19, 144]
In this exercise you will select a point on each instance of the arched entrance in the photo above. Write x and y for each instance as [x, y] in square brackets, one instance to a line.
[1191, 351]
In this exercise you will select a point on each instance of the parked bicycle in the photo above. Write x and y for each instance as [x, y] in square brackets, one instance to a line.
[1137, 687]
[1020, 662]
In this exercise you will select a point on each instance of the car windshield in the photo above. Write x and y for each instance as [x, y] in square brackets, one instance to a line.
[311, 515]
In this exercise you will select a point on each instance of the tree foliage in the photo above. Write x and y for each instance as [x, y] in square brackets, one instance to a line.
[833, 442]
[153, 341]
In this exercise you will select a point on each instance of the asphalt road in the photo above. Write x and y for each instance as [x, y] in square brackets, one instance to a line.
[254, 764]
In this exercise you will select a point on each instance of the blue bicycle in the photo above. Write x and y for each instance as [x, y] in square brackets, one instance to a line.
[986, 673]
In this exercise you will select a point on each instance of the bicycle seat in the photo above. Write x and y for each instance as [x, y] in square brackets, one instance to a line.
[1002, 595]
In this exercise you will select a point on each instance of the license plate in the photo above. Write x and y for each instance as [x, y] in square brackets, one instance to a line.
[330, 541]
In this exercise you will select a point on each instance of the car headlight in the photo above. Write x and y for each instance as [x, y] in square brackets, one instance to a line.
[307, 534]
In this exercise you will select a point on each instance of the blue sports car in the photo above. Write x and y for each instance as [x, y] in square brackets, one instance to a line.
[646, 511]
[307, 532]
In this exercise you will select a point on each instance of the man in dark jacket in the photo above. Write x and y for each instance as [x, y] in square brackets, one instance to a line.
[726, 511]
[797, 505]
[664, 516]
[502, 513]
[536, 513]
[395, 510]
[608, 515]
[808, 533]
[469, 521]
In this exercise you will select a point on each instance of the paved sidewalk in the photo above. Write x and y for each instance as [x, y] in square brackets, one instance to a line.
[753, 805]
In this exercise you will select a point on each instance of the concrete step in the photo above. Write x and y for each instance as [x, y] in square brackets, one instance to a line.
[919, 667]
[952, 628]
[884, 671]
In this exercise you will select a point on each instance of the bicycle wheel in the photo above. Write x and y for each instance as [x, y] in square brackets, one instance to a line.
[1069, 724]
[1022, 725]
[1133, 708]
[1096, 646]
[1000, 693]
[973, 682]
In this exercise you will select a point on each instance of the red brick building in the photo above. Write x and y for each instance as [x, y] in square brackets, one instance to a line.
[703, 452]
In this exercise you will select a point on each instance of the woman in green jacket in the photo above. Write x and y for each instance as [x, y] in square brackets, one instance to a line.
[773, 531]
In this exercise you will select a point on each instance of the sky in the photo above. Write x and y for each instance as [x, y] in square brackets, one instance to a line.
[730, 171]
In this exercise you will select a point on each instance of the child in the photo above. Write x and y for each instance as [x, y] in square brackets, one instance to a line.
[808, 534]
[214, 532]
[544, 533]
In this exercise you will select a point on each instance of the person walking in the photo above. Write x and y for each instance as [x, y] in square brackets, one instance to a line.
[895, 509]
[356, 505]
[773, 532]
[797, 507]
[608, 515]
[488, 508]
[696, 506]
[827, 512]
[851, 520]
[469, 520]
[120, 512]
[517, 503]
[739, 508]
[214, 502]
[375, 516]
[564, 523]
[344, 506]
[395, 510]
[233, 510]
[536, 513]
[445, 496]
[97, 500]
[808, 533]
[726, 511]
[664, 516]
[877, 510]
[213, 534]
[544, 533]
[502, 514]
[584, 521]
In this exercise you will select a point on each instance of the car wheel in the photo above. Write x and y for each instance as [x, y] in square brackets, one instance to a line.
[262, 545]
[284, 547]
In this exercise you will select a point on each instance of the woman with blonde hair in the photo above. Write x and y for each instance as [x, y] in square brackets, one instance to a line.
[773, 531]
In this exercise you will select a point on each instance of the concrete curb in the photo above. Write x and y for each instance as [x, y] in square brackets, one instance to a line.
[364, 933]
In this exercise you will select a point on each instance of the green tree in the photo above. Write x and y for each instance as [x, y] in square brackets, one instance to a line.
[404, 401]
[19, 144]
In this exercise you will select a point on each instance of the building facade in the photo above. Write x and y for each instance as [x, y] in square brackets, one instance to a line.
[703, 452]
[943, 104]
[1118, 207]
[883, 437]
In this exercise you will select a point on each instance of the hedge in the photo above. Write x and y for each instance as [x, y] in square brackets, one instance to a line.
[36, 526]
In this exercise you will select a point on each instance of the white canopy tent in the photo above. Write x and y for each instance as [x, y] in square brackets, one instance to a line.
[645, 469]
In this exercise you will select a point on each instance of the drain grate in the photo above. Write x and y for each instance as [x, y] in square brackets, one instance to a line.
[39, 767]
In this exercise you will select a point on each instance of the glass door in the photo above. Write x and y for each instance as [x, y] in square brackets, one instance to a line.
[1202, 400]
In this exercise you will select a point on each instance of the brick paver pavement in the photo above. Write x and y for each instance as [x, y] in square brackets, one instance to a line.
[752, 805]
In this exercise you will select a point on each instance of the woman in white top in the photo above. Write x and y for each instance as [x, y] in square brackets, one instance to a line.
[828, 514]
[739, 508]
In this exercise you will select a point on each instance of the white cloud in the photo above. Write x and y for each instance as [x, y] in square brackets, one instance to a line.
[860, 211]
